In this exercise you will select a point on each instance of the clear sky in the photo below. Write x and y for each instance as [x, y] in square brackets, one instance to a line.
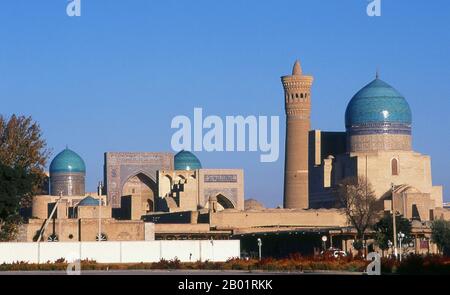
[113, 79]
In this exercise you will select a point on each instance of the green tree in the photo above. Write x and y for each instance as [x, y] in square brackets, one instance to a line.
[357, 198]
[22, 146]
[384, 230]
[15, 184]
[441, 235]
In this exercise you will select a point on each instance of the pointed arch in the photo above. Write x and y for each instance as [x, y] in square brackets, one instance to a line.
[143, 186]
[225, 202]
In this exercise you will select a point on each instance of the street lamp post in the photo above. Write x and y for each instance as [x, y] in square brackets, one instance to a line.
[99, 189]
[324, 242]
[401, 236]
[389, 245]
[394, 224]
[259, 246]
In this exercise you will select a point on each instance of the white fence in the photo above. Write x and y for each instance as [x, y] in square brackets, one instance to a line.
[120, 252]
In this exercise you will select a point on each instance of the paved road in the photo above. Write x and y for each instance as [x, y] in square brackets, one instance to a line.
[175, 272]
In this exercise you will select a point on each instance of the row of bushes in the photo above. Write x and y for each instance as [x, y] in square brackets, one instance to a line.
[417, 264]
[411, 265]
[235, 264]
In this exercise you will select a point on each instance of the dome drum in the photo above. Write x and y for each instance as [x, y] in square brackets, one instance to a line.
[67, 184]
[379, 142]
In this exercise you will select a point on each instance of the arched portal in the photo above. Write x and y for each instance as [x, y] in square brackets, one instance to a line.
[224, 202]
[144, 188]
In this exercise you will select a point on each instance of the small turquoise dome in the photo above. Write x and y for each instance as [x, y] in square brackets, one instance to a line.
[185, 160]
[378, 108]
[88, 201]
[67, 161]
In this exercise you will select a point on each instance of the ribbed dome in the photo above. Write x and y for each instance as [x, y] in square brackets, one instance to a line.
[185, 160]
[378, 108]
[89, 201]
[67, 161]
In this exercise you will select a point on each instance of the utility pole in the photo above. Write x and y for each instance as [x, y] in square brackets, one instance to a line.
[394, 225]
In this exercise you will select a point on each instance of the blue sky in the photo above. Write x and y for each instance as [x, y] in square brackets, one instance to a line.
[113, 79]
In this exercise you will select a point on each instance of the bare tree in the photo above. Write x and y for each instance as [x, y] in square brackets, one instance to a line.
[357, 197]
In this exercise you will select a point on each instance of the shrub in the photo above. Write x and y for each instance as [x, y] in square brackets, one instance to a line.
[412, 264]
[431, 264]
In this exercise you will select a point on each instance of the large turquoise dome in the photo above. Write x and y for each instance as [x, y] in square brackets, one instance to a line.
[67, 161]
[185, 160]
[378, 109]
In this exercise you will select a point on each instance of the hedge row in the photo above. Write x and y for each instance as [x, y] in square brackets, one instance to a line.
[410, 265]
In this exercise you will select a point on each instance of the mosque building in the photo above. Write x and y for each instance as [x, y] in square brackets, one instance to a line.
[148, 195]
[377, 144]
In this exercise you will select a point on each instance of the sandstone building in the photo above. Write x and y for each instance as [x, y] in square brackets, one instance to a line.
[137, 185]
[377, 144]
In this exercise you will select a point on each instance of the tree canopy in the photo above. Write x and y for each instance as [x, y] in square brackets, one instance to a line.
[22, 146]
[441, 235]
[385, 230]
[15, 184]
[23, 156]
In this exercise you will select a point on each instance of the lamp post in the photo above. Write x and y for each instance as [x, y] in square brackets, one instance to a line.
[99, 189]
[259, 246]
[324, 242]
[389, 244]
[394, 224]
[401, 236]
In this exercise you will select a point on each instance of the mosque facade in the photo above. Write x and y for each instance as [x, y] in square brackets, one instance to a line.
[377, 145]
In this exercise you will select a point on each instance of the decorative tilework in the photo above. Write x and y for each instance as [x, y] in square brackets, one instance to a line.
[67, 161]
[186, 160]
[220, 178]
[378, 109]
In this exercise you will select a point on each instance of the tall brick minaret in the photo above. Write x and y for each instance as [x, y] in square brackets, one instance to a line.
[297, 94]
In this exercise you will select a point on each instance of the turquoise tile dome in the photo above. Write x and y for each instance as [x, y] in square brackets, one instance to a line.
[67, 161]
[89, 201]
[186, 160]
[378, 108]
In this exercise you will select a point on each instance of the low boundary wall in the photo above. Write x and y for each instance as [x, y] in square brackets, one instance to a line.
[121, 252]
